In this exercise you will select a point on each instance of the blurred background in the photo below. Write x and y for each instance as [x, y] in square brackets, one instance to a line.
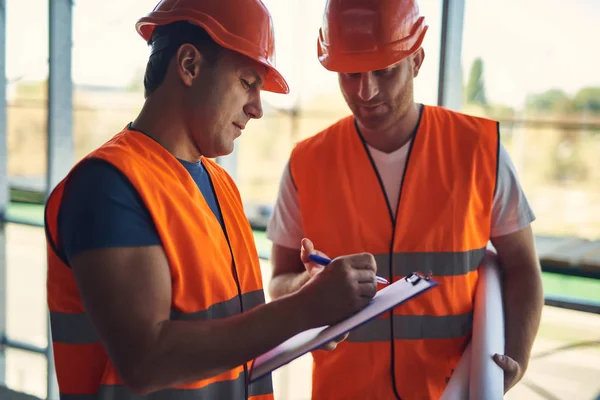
[74, 72]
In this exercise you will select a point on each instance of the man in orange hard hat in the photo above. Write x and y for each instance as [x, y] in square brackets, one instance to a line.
[154, 284]
[420, 187]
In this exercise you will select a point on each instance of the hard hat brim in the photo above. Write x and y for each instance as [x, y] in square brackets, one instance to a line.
[358, 62]
[274, 81]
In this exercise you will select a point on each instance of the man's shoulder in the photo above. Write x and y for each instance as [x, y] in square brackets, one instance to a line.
[95, 178]
[95, 185]
[463, 124]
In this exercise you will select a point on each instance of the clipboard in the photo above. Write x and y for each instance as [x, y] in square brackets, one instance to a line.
[387, 298]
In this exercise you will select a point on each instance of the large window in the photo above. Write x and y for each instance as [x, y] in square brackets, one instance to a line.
[531, 65]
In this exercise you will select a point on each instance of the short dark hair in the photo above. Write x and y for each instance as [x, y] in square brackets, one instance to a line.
[165, 41]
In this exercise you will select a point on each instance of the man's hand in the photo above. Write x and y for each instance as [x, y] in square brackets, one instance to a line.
[339, 290]
[313, 268]
[333, 344]
[512, 370]
[307, 248]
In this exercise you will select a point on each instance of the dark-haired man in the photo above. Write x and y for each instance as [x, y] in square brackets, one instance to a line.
[154, 285]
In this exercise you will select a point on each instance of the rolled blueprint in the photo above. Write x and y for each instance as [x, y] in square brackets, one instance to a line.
[458, 386]
[477, 369]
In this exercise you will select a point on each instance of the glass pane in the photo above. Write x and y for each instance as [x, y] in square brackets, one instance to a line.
[426, 84]
[109, 59]
[26, 307]
[26, 284]
[26, 372]
[27, 76]
[535, 76]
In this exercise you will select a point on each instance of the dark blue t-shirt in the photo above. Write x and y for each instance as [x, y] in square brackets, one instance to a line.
[101, 208]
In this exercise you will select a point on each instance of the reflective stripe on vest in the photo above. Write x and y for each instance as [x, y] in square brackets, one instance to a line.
[224, 309]
[434, 263]
[410, 327]
[234, 389]
[78, 329]
[72, 328]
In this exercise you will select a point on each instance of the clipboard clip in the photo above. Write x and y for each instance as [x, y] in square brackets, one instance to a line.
[415, 277]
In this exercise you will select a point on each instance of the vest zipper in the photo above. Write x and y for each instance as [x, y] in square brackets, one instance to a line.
[393, 220]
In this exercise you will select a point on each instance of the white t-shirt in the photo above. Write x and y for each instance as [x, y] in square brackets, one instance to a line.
[510, 209]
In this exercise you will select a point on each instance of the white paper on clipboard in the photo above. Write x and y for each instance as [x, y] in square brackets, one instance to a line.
[304, 342]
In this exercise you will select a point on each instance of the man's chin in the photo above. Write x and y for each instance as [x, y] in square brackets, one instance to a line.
[226, 150]
[372, 123]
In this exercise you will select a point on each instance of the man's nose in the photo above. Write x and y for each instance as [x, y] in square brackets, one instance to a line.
[367, 88]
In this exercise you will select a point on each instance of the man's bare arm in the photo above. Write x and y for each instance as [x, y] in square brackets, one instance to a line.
[127, 293]
[523, 297]
[289, 273]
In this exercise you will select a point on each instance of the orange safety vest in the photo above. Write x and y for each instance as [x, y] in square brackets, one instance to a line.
[218, 279]
[442, 228]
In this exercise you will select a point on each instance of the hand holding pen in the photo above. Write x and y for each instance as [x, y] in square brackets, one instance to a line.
[325, 261]
[338, 290]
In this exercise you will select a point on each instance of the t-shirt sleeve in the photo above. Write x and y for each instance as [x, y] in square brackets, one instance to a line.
[102, 209]
[510, 210]
[285, 225]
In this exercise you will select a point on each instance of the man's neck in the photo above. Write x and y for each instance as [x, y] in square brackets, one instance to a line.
[398, 134]
[163, 124]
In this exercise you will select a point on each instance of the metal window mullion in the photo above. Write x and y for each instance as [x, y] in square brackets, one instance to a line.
[450, 73]
[3, 190]
[60, 92]
[60, 124]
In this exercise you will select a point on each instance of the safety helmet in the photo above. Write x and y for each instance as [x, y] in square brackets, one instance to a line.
[243, 26]
[368, 35]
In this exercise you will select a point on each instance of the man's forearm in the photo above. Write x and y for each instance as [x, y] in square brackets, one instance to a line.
[186, 351]
[523, 302]
[284, 284]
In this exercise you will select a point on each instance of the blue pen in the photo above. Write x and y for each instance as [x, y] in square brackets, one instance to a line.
[325, 261]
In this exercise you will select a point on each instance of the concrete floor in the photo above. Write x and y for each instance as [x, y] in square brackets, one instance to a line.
[569, 374]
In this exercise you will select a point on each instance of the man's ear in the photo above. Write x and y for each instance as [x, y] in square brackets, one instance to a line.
[188, 62]
[417, 59]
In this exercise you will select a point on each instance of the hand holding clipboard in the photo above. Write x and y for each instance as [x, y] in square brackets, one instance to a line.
[387, 298]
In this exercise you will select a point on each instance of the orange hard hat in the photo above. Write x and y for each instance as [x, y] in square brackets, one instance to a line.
[367, 35]
[244, 26]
